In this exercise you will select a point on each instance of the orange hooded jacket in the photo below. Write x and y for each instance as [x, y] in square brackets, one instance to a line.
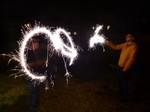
[128, 53]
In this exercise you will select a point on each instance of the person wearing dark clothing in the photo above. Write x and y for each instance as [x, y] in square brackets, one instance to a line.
[122, 77]
[38, 63]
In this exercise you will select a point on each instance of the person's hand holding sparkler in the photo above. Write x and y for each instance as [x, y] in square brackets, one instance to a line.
[106, 42]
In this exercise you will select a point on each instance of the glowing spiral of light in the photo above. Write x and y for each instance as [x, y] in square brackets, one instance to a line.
[69, 51]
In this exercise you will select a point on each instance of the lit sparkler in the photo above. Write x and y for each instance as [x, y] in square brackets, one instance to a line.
[97, 38]
[69, 51]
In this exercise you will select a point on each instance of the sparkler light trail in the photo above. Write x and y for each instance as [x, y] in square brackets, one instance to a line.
[97, 38]
[67, 51]
[56, 42]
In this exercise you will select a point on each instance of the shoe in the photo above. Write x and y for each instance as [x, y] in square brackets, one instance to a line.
[37, 104]
[32, 110]
[124, 100]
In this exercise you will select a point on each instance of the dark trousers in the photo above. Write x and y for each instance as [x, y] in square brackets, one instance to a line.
[33, 95]
[122, 78]
[34, 88]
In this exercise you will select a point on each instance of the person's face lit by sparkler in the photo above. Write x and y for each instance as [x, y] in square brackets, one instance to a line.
[35, 44]
[129, 38]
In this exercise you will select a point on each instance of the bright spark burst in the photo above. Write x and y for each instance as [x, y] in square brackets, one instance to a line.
[69, 51]
[97, 38]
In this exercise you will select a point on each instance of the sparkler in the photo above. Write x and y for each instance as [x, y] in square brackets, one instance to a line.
[97, 38]
[69, 51]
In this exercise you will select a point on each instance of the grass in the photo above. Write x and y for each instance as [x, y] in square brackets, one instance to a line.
[93, 92]
[10, 92]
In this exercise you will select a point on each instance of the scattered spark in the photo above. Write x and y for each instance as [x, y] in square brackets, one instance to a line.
[97, 38]
[108, 27]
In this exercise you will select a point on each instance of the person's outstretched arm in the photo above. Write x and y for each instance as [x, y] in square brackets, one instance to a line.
[113, 46]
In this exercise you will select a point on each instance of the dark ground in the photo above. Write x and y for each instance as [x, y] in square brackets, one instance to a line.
[84, 94]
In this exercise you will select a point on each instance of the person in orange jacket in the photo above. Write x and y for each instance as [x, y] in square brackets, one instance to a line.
[127, 58]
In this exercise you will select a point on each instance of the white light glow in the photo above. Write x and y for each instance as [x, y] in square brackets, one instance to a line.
[93, 27]
[75, 33]
[108, 27]
[69, 33]
[97, 38]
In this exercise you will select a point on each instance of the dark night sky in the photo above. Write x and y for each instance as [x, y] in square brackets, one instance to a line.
[69, 12]
[74, 15]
